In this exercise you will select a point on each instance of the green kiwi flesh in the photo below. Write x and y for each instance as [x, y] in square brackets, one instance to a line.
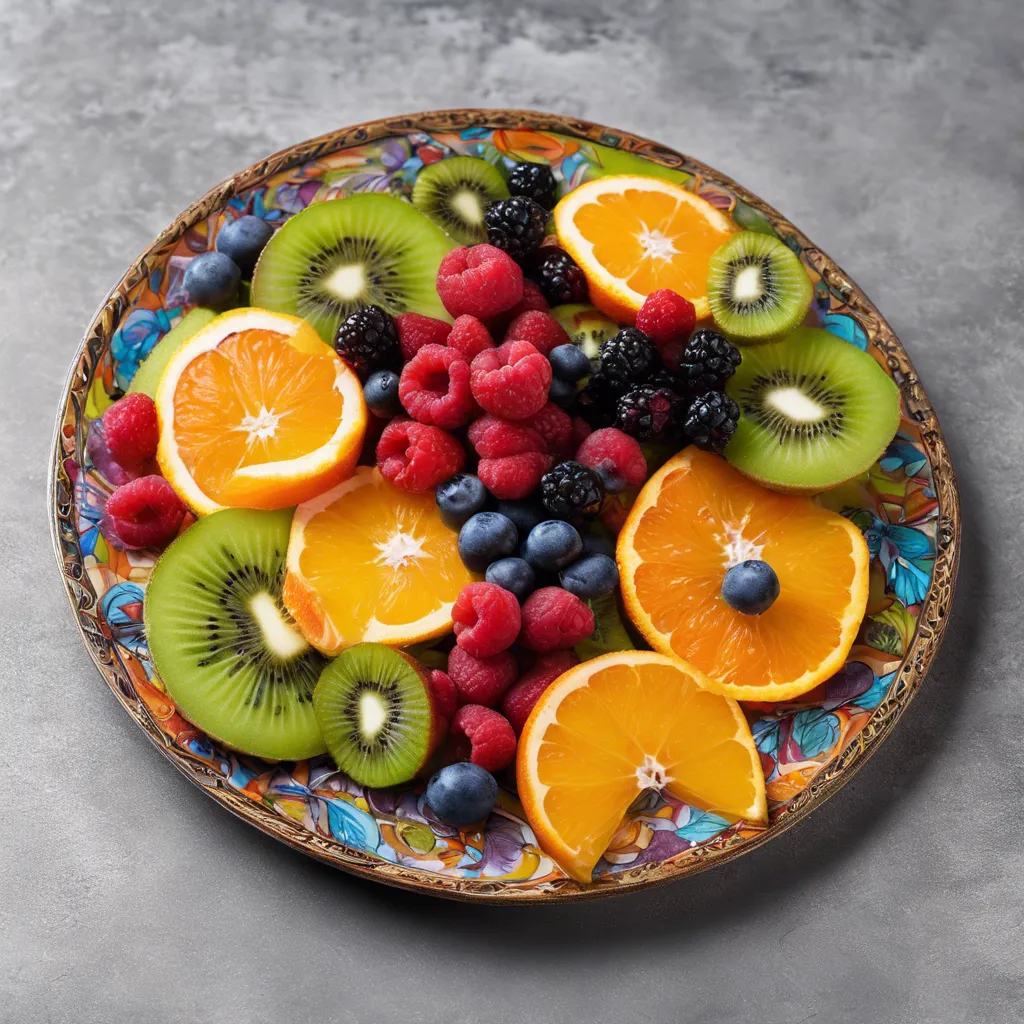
[454, 193]
[148, 374]
[609, 632]
[587, 327]
[757, 288]
[227, 651]
[376, 715]
[365, 249]
[815, 411]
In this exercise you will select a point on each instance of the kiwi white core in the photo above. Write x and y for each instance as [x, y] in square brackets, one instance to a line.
[348, 282]
[748, 285]
[399, 550]
[373, 713]
[796, 405]
[285, 641]
[656, 245]
[468, 206]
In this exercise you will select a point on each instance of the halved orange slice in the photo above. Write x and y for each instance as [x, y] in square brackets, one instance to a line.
[368, 562]
[693, 520]
[632, 235]
[257, 412]
[611, 728]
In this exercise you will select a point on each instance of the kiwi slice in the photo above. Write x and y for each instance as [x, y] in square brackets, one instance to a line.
[609, 632]
[815, 411]
[587, 327]
[454, 193]
[334, 257]
[222, 642]
[147, 376]
[375, 712]
[757, 288]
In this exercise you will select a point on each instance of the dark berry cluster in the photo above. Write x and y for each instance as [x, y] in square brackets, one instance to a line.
[367, 341]
[516, 226]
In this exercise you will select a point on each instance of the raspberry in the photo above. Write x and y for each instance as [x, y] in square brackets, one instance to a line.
[143, 513]
[512, 383]
[483, 736]
[514, 476]
[533, 298]
[470, 337]
[518, 702]
[479, 279]
[495, 438]
[416, 330]
[434, 387]
[131, 430]
[481, 680]
[553, 618]
[615, 457]
[443, 693]
[541, 330]
[667, 319]
[486, 619]
[417, 457]
[555, 426]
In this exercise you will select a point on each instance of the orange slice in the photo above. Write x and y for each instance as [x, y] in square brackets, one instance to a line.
[696, 517]
[256, 411]
[633, 234]
[368, 562]
[624, 722]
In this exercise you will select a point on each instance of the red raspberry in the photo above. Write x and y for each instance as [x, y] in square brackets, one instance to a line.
[555, 426]
[668, 320]
[416, 330]
[486, 619]
[518, 702]
[553, 618]
[495, 438]
[131, 430]
[541, 330]
[434, 387]
[469, 336]
[479, 279]
[145, 513]
[533, 298]
[481, 680]
[512, 383]
[514, 476]
[483, 736]
[416, 457]
[443, 693]
[615, 457]
[581, 430]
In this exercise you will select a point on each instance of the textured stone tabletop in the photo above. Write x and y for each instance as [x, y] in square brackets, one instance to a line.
[890, 131]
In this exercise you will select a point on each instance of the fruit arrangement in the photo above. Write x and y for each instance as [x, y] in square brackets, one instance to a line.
[500, 483]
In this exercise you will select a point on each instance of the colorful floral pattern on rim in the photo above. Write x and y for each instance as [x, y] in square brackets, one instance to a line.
[906, 506]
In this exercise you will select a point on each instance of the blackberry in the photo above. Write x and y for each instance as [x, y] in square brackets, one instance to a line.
[708, 361]
[558, 275]
[628, 357]
[596, 402]
[711, 421]
[644, 411]
[367, 341]
[535, 181]
[570, 489]
[516, 226]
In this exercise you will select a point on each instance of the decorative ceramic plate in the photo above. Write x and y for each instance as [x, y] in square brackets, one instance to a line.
[906, 506]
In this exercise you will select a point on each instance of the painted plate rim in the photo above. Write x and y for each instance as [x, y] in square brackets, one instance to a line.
[913, 668]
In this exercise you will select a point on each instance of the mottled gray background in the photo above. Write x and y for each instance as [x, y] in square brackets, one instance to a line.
[891, 132]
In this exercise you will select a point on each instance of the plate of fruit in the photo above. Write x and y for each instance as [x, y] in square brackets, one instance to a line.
[502, 506]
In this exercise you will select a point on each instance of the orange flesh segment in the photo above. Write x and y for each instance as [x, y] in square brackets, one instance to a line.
[254, 399]
[708, 517]
[639, 716]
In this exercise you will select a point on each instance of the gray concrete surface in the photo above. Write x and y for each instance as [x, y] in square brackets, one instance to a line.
[890, 131]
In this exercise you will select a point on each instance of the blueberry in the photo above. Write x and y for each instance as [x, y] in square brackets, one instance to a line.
[598, 544]
[243, 240]
[750, 587]
[486, 537]
[211, 279]
[514, 574]
[459, 498]
[381, 394]
[562, 392]
[553, 544]
[591, 576]
[462, 793]
[569, 363]
[525, 514]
